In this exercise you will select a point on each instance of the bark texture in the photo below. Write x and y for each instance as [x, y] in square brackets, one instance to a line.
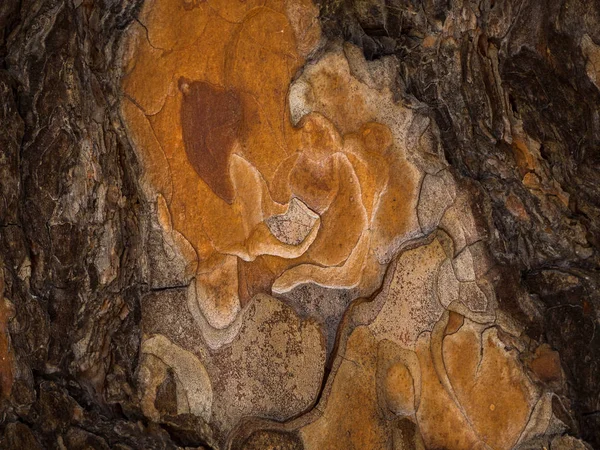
[512, 88]
[72, 226]
[533, 62]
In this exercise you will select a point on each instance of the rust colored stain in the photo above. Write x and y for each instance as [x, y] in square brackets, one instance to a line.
[211, 119]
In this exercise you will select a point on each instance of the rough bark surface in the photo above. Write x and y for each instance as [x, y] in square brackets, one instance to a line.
[512, 92]
[501, 62]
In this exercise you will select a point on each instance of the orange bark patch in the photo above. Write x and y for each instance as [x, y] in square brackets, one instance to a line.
[489, 385]
[351, 418]
[398, 385]
[210, 116]
[440, 419]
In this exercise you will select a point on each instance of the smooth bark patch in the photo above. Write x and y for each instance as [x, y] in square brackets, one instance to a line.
[210, 123]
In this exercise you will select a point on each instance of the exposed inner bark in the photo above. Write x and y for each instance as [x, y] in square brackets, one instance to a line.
[210, 122]
[512, 92]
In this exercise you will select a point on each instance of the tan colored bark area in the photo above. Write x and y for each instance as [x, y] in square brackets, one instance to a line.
[212, 125]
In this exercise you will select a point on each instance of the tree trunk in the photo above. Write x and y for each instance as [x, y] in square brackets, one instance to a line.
[492, 104]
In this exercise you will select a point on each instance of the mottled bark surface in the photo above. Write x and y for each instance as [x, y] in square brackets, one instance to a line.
[72, 226]
[513, 88]
[535, 62]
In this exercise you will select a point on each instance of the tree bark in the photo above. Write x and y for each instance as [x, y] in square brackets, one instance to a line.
[512, 87]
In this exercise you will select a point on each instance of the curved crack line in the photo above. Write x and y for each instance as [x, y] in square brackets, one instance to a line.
[147, 32]
[252, 10]
[345, 328]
